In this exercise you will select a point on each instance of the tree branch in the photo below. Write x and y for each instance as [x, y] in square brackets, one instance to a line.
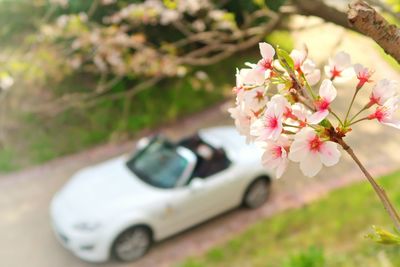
[319, 9]
[377, 188]
[369, 22]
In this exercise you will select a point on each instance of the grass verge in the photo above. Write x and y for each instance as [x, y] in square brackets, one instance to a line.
[327, 233]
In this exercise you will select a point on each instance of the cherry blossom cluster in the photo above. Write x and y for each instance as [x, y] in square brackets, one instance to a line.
[278, 109]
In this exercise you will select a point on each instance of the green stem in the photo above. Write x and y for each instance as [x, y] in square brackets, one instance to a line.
[358, 113]
[336, 116]
[308, 87]
[365, 118]
[351, 104]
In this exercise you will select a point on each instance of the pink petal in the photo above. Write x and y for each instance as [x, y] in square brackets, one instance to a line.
[342, 60]
[281, 168]
[254, 77]
[300, 147]
[313, 77]
[329, 153]
[297, 151]
[267, 51]
[393, 123]
[318, 116]
[275, 134]
[310, 165]
[327, 90]
[298, 57]
[358, 68]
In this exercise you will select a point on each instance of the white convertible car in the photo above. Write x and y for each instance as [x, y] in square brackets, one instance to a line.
[120, 207]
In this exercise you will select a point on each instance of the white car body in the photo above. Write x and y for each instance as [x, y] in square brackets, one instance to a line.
[101, 201]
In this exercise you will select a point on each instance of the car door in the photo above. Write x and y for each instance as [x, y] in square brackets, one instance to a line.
[183, 209]
[204, 198]
[218, 192]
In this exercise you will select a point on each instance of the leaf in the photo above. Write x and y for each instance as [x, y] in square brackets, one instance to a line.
[383, 236]
[285, 59]
[325, 123]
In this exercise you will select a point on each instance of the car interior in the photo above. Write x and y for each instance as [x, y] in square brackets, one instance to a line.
[210, 160]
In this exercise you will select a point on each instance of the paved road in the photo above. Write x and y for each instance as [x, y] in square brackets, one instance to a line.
[26, 237]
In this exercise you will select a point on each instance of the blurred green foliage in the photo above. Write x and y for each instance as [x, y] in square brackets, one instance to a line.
[313, 257]
[77, 129]
[281, 38]
[338, 223]
[50, 135]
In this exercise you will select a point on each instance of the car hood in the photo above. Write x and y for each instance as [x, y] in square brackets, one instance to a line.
[103, 190]
[234, 144]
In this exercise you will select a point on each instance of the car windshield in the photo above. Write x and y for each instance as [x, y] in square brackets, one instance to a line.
[159, 164]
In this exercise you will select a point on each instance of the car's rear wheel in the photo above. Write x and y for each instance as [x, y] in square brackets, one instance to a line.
[132, 244]
[257, 193]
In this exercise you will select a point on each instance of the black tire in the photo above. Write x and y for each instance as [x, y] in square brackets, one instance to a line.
[256, 193]
[137, 241]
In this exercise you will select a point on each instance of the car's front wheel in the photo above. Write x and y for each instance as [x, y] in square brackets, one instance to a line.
[256, 194]
[132, 244]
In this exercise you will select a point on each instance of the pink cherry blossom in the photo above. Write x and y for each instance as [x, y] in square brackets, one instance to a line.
[242, 122]
[339, 66]
[363, 75]
[267, 53]
[327, 93]
[385, 114]
[253, 99]
[382, 91]
[269, 125]
[275, 155]
[300, 114]
[249, 77]
[311, 72]
[311, 151]
[298, 56]
[305, 66]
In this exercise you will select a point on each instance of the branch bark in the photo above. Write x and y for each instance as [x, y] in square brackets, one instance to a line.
[318, 8]
[369, 22]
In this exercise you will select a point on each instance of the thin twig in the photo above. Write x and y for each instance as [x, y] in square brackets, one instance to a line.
[351, 104]
[377, 188]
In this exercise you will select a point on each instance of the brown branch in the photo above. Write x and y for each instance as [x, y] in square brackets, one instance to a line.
[320, 9]
[369, 22]
[227, 50]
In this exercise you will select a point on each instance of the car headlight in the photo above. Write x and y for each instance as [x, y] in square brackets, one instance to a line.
[87, 227]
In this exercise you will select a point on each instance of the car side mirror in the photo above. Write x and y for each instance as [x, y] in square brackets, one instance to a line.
[142, 143]
[196, 184]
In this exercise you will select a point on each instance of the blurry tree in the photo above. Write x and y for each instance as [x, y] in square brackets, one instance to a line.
[139, 42]
[143, 42]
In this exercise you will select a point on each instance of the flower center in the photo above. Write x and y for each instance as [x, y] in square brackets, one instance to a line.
[259, 96]
[277, 152]
[322, 104]
[374, 100]
[272, 122]
[315, 144]
[335, 72]
[265, 64]
[379, 114]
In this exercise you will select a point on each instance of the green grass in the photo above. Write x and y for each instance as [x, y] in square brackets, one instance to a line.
[327, 233]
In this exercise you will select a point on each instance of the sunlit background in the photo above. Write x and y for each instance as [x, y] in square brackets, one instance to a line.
[82, 81]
